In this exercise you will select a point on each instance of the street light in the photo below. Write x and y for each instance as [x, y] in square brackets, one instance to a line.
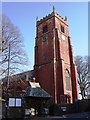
[7, 86]
[8, 65]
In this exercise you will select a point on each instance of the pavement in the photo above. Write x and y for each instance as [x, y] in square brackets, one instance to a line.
[78, 115]
[85, 115]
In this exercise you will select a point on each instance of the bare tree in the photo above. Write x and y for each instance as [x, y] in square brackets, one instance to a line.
[83, 65]
[13, 49]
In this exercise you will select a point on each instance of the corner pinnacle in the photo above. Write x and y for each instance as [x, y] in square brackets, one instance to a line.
[53, 9]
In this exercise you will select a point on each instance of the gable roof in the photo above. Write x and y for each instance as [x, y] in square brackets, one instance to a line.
[37, 92]
[22, 75]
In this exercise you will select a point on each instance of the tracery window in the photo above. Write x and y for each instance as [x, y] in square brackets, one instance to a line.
[68, 81]
[62, 29]
[45, 29]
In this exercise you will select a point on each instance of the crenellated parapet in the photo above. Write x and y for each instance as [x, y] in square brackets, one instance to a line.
[49, 16]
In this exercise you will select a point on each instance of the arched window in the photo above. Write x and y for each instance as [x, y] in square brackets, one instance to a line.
[68, 80]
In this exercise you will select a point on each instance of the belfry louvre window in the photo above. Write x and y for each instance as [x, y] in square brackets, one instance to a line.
[68, 81]
[62, 29]
[45, 29]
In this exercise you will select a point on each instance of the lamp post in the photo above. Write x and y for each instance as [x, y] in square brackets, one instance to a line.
[7, 86]
[8, 65]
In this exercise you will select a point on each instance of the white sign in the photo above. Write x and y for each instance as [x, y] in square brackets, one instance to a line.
[14, 102]
[27, 112]
[11, 102]
[18, 102]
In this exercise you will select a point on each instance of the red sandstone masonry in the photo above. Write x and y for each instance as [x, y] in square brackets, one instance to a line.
[53, 57]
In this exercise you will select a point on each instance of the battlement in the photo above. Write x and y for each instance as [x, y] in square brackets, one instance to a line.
[45, 18]
[53, 14]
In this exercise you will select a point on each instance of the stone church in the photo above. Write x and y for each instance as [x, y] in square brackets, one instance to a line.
[54, 65]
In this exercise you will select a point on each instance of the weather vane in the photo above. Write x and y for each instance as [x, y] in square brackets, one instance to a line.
[53, 8]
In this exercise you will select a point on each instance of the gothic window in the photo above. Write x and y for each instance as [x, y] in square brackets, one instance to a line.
[62, 29]
[68, 80]
[45, 29]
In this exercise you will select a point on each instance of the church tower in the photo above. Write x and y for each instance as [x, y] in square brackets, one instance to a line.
[54, 64]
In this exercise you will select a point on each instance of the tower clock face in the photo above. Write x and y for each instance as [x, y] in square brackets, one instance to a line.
[63, 37]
